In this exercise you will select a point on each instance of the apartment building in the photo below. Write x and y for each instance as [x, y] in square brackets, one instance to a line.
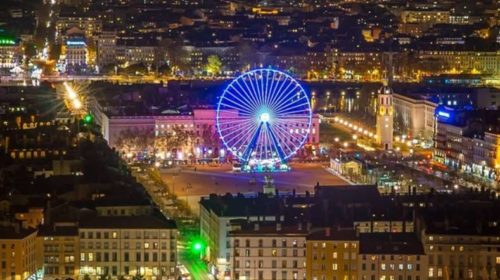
[268, 250]
[216, 213]
[391, 256]
[128, 246]
[17, 252]
[332, 254]
[58, 251]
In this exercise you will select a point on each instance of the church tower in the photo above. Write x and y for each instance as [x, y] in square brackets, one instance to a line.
[385, 118]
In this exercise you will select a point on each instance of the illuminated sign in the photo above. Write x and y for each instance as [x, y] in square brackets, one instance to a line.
[7, 41]
[75, 43]
[443, 114]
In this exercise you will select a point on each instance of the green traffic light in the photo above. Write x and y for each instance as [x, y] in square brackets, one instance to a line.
[88, 118]
[197, 246]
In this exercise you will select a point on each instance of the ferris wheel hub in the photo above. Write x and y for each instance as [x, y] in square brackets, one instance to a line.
[265, 117]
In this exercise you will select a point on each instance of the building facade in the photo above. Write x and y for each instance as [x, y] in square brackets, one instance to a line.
[17, 251]
[414, 117]
[332, 254]
[268, 251]
[117, 246]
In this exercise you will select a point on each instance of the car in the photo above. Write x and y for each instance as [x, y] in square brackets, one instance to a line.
[237, 167]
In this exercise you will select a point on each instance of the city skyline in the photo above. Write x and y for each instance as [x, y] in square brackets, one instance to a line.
[249, 140]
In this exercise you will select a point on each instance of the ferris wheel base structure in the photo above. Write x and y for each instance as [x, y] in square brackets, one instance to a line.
[263, 119]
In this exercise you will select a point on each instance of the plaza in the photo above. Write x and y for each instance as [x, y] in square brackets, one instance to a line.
[191, 183]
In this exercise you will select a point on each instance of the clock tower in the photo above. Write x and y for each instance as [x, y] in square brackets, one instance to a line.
[385, 119]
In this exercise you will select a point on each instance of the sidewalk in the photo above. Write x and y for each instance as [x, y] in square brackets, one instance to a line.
[331, 171]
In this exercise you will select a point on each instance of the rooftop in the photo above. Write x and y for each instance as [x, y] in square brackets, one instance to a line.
[128, 222]
[390, 244]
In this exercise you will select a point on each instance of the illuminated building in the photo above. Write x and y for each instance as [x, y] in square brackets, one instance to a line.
[76, 51]
[89, 25]
[467, 142]
[10, 52]
[58, 252]
[267, 250]
[201, 122]
[332, 254]
[388, 256]
[17, 248]
[216, 214]
[463, 61]
[414, 116]
[385, 118]
[128, 246]
[452, 256]
[31, 217]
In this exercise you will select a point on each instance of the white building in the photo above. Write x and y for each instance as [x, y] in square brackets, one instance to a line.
[268, 251]
[128, 246]
[414, 116]
[216, 214]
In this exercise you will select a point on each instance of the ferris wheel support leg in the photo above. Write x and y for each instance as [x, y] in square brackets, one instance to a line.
[251, 145]
[276, 144]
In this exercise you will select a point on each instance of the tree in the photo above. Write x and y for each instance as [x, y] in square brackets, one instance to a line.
[176, 54]
[134, 140]
[214, 65]
[177, 139]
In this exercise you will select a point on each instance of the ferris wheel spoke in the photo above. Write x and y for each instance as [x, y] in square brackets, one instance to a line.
[292, 141]
[277, 89]
[237, 107]
[291, 134]
[251, 90]
[286, 99]
[263, 85]
[247, 94]
[235, 120]
[293, 107]
[282, 144]
[293, 103]
[254, 91]
[238, 101]
[244, 97]
[240, 137]
[285, 123]
[270, 87]
[289, 100]
[282, 93]
[233, 131]
[230, 126]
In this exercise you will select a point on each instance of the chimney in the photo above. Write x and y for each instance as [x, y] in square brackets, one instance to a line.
[256, 226]
[309, 225]
[328, 232]
[300, 226]
[278, 227]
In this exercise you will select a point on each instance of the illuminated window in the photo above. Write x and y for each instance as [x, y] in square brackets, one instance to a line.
[146, 245]
[431, 272]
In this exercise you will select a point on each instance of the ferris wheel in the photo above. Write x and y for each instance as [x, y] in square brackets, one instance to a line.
[264, 115]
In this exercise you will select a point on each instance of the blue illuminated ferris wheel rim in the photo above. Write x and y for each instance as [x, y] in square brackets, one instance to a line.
[264, 114]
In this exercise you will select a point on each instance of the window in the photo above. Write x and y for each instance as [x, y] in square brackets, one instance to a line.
[335, 266]
[146, 245]
[431, 272]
